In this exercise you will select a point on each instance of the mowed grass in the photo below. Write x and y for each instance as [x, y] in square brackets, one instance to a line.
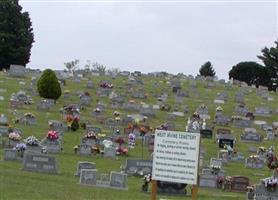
[18, 184]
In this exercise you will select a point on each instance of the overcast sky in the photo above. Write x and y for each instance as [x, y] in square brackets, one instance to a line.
[157, 36]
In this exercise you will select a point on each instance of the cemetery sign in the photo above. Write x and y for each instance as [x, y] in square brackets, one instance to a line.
[176, 157]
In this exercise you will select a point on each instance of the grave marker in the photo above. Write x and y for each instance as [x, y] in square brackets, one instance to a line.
[35, 162]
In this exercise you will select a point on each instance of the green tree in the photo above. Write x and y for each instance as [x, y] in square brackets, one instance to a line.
[48, 85]
[16, 34]
[251, 73]
[74, 125]
[270, 59]
[207, 70]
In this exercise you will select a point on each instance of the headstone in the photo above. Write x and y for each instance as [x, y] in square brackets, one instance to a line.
[93, 128]
[109, 152]
[242, 123]
[206, 133]
[170, 188]
[252, 149]
[17, 70]
[85, 150]
[3, 120]
[251, 135]
[88, 176]
[263, 111]
[239, 183]
[216, 162]
[84, 165]
[138, 167]
[118, 181]
[241, 109]
[90, 84]
[225, 141]
[207, 180]
[40, 163]
[4, 131]
[53, 146]
[88, 141]
[10, 154]
[222, 120]
[254, 163]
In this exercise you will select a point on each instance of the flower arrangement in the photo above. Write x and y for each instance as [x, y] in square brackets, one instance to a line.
[71, 118]
[215, 169]
[91, 135]
[52, 135]
[143, 131]
[87, 94]
[220, 181]
[272, 161]
[254, 158]
[121, 151]
[97, 110]
[116, 113]
[32, 141]
[120, 140]
[107, 143]
[29, 115]
[20, 147]
[270, 183]
[14, 136]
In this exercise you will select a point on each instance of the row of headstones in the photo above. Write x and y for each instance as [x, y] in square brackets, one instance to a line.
[89, 176]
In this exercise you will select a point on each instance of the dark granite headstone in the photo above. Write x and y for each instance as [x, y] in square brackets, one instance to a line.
[223, 141]
[40, 163]
[118, 181]
[206, 133]
[138, 167]
[88, 176]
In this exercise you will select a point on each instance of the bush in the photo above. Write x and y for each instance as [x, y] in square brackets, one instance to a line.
[74, 125]
[48, 85]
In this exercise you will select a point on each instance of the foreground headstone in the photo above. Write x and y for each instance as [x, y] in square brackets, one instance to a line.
[88, 176]
[118, 180]
[41, 163]
[84, 165]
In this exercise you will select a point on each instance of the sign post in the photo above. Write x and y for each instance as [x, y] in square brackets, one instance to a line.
[176, 159]
[154, 190]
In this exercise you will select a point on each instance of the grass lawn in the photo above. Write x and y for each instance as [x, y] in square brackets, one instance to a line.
[18, 184]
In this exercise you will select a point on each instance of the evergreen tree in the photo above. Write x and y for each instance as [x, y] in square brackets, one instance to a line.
[74, 125]
[48, 85]
[270, 59]
[16, 34]
[207, 70]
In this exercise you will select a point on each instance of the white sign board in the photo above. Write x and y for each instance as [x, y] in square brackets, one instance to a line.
[176, 157]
